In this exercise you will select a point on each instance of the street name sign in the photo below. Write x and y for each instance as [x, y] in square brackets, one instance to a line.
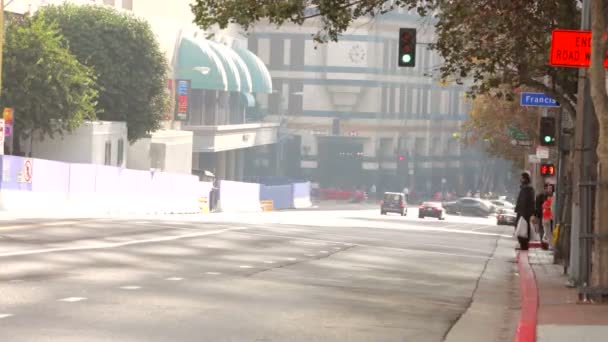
[537, 100]
[571, 48]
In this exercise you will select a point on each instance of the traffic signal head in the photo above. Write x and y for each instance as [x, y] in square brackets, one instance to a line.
[401, 158]
[547, 170]
[407, 47]
[547, 131]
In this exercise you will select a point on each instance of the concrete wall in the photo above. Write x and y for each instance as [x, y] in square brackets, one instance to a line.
[87, 144]
[177, 147]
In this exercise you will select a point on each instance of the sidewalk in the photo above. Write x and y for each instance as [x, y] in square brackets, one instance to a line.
[560, 317]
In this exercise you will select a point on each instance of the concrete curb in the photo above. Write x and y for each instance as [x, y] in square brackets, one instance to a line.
[526, 329]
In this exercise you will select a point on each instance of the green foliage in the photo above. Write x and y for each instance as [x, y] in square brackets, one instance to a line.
[130, 67]
[335, 15]
[49, 89]
[497, 42]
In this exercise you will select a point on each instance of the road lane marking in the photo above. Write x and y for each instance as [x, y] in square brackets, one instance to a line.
[72, 299]
[7, 315]
[245, 266]
[269, 262]
[131, 287]
[174, 279]
[292, 259]
[118, 244]
[383, 247]
[324, 252]
[212, 273]
[311, 255]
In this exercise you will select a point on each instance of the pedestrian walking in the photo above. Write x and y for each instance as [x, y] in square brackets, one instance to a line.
[548, 219]
[541, 198]
[525, 207]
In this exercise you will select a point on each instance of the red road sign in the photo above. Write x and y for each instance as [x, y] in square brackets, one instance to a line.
[571, 48]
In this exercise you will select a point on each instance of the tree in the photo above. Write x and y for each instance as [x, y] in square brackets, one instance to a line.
[492, 122]
[130, 67]
[493, 42]
[599, 10]
[49, 89]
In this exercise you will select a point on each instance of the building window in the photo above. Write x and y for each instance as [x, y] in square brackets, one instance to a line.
[109, 2]
[108, 154]
[120, 153]
[127, 4]
[386, 148]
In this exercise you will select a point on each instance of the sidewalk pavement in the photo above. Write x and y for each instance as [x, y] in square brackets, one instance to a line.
[561, 318]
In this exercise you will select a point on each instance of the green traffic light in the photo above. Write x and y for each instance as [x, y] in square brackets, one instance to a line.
[406, 58]
[547, 138]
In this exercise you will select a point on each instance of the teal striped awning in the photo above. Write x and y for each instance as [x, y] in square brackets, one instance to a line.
[214, 66]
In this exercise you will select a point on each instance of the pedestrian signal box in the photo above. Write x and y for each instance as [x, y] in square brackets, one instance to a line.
[547, 170]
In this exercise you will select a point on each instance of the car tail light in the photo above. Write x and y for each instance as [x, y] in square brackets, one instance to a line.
[402, 205]
[421, 208]
[500, 217]
[437, 209]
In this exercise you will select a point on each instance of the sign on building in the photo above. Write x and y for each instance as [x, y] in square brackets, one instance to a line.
[182, 100]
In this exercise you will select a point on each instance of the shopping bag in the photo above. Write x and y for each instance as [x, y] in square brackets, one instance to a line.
[534, 232]
[522, 228]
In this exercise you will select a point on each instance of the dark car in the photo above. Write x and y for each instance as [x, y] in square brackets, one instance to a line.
[468, 206]
[393, 202]
[431, 209]
[506, 217]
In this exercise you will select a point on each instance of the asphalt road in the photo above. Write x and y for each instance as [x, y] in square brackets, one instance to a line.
[340, 275]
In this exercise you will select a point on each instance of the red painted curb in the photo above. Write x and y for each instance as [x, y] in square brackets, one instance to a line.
[526, 329]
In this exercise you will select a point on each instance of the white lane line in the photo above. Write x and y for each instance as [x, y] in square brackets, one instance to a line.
[336, 248]
[269, 262]
[174, 279]
[212, 273]
[292, 259]
[382, 247]
[72, 299]
[130, 287]
[324, 252]
[119, 244]
[7, 315]
[311, 255]
[245, 266]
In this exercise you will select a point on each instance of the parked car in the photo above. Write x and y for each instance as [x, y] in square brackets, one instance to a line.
[468, 206]
[393, 202]
[431, 209]
[506, 217]
[500, 204]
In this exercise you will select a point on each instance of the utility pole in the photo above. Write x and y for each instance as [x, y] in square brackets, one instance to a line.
[581, 204]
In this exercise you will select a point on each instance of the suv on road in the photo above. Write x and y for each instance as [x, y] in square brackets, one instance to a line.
[393, 202]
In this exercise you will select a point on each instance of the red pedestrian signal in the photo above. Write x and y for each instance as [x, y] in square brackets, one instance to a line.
[547, 170]
[401, 158]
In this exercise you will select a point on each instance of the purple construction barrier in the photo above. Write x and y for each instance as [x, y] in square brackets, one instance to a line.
[12, 174]
[82, 178]
[301, 195]
[280, 195]
[107, 180]
[237, 196]
[50, 176]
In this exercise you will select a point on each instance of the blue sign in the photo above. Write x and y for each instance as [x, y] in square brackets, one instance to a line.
[537, 100]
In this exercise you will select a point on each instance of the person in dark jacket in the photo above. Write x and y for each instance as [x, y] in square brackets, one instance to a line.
[525, 206]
